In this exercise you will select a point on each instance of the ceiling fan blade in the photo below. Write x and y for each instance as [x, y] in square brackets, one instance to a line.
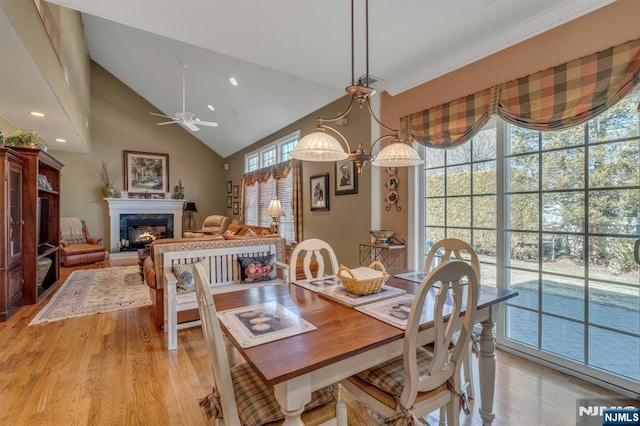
[206, 123]
[167, 122]
[162, 115]
[189, 126]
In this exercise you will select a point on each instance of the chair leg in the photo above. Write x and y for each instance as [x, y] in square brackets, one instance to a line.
[341, 407]
[443, 416]
[468, 373]
[453, 412]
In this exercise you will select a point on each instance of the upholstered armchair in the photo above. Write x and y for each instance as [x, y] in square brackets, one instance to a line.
[214, 224]
[76, 246]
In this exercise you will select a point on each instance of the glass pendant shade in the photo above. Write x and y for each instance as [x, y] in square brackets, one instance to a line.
[318, 146]
[397, 154]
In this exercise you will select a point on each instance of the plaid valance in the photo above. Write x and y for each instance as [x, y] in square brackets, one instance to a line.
[554, 99]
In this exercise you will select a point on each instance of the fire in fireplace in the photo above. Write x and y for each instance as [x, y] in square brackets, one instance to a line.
[140, 230]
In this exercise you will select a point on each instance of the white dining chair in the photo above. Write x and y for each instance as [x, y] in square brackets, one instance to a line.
[444, 251]
[239, 396]
[313, 249]
[419, 381]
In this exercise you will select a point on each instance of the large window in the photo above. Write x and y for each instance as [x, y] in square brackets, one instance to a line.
[554, 216]
[257, 197]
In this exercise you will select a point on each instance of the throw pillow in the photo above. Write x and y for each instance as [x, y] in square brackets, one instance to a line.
[251, 233]
[259, 268]
[75, 239]
[185, 275]
[228, 232]
[234, 228]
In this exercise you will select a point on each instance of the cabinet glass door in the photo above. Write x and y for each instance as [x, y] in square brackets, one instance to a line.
[15, 213]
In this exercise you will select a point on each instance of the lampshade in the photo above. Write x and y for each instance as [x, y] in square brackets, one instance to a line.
[190, 207]
[397, 154]
[275, 208]
[318, 146]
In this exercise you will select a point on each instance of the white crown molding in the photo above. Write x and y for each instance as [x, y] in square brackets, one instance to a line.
[538, 24]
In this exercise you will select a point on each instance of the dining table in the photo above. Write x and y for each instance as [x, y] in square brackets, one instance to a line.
[344, 341]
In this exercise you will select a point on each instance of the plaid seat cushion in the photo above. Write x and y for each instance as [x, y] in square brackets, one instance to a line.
[389, 376]
[254, 399]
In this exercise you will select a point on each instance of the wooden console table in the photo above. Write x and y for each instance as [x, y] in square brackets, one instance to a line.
[389, 254]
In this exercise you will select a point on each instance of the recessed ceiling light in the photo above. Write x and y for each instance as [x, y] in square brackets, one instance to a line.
[61, 140]
[211, 107]
[233, 81]
[36, 114]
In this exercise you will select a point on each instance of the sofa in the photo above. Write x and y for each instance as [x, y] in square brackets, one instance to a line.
[77, 247]
[212, 225]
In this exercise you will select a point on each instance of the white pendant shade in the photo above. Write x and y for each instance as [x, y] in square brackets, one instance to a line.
[318, 146]
[275, 208]
[397, 154]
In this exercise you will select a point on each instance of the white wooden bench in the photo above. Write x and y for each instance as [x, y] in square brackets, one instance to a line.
[223, 271]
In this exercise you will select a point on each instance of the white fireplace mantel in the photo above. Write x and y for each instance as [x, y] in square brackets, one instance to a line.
[118, 206]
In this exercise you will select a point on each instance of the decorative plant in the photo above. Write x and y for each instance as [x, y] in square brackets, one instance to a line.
[108, 173]
[23, 139]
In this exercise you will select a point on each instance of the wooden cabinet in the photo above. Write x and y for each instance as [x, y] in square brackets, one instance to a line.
[11, 226]
[41, 215]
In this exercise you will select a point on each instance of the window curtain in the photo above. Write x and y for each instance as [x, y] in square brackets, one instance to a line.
[259, 187]
[554, 99]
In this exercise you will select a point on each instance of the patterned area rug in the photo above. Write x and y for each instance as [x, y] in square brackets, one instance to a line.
[94, 291]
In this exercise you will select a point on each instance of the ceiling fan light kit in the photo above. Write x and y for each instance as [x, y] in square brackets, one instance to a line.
[185, 118]
[321, 146]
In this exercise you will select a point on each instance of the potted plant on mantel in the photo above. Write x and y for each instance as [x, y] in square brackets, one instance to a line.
[23, 139]
[107, 174]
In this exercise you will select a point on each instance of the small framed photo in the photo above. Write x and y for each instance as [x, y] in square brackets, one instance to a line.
[236, 191]
[346, 177]
[228, 201]
[229, 187]
[124, 194]
[318, 186]
[236, 207]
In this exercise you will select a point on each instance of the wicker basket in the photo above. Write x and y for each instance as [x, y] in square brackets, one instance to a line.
[362, 286]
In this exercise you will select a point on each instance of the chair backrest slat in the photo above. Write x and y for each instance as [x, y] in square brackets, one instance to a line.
[216, 348]
[452, 247]
[314, 249]
[449, 300]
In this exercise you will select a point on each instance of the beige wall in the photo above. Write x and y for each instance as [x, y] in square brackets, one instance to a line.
[599, 30]
[348, 220]
[75, 98]
[120, 121]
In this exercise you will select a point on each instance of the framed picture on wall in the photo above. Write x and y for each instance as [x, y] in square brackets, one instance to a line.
[346, 177]
[236, 191]
[228, 201]
[236, 207]
[318, 186]
[146, 172]
[229, 187]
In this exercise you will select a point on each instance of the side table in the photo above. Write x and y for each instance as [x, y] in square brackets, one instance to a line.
[142, 256]
[389, 254]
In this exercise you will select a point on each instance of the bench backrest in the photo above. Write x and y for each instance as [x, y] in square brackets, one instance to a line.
[220, 264]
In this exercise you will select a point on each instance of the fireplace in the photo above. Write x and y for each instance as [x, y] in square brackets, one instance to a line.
[147, 208]
[139, 230]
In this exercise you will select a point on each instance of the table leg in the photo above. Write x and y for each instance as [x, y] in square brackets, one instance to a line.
[487, 373]
[292, 396]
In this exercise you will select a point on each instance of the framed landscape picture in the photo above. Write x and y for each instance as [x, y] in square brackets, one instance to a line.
[228, 201]
[146, 172]
[228, 187]
[236, 207]
[236, 191]
[346, 177]
[318, 186]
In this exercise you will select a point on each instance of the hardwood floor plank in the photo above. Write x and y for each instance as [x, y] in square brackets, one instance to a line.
[113, 369]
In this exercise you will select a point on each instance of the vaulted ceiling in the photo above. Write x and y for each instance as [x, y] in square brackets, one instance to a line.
[291, 57]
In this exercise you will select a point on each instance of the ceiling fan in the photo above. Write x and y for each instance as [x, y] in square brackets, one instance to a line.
[186, 118]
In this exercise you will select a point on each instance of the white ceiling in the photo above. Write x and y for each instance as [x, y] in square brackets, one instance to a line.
[292, 57]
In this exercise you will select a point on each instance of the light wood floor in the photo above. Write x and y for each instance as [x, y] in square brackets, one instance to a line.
[113, 369]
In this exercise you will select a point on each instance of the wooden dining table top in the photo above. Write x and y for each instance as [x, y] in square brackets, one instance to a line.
[342, 331]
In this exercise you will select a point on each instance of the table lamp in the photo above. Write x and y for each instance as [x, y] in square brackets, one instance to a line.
[275, 211]
[190, 208]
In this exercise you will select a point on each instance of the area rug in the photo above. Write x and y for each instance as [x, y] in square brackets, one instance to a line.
[94, 291]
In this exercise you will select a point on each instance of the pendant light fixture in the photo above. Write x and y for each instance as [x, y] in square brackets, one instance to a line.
[321, 145]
